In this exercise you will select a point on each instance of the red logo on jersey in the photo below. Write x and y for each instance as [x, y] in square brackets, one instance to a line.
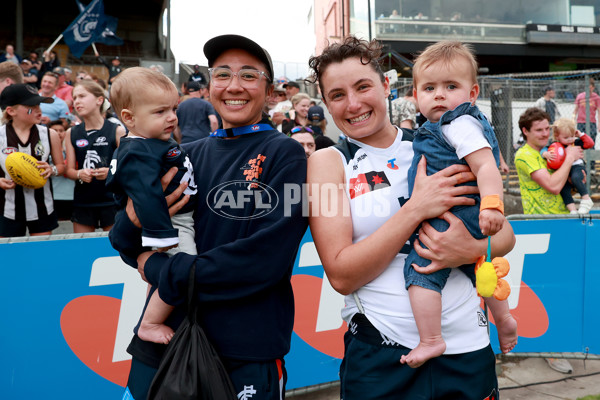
[368, 182]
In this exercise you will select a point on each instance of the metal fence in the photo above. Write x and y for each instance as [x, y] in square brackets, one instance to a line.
[503, 98]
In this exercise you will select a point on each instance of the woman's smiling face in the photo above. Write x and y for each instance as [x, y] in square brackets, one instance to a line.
[356, 98]
[237, 105]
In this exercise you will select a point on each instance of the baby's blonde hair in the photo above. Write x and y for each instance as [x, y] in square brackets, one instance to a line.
[561, 125]
[132, 87]
[446, 51]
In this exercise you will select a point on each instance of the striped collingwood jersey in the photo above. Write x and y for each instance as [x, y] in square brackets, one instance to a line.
[23, 204]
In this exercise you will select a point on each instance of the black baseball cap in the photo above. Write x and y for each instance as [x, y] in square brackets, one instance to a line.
[292, 84]
[22, 94]
[219, 44]
[193, 86]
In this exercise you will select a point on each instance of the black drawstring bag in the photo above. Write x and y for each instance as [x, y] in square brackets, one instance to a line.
[191, 368]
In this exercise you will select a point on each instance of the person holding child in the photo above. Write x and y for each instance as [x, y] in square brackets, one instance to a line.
[456, 132]
[243, 288]
[363, 241]
[565, 133]
[24, 208]
[540, 188]
[146, 102]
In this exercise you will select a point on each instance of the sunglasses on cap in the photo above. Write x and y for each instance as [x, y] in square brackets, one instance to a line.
[297, 129]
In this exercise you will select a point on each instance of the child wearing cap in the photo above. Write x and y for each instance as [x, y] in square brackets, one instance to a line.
[24, 208]
[146, 102]
[316, 118]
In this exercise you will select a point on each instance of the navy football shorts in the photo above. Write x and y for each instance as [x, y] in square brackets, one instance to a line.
[371, 369]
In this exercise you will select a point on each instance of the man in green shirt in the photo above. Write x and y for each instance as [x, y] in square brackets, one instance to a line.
[540, 189]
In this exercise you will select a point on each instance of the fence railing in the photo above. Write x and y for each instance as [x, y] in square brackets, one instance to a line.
[503, 98]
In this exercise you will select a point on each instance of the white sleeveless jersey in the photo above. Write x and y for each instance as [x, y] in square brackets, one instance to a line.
[376, 185]
[23, 203]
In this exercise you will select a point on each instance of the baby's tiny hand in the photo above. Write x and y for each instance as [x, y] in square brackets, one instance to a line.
[490, 221]
[548, 155]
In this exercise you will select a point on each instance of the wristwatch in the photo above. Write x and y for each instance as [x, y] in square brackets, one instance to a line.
[54, 170]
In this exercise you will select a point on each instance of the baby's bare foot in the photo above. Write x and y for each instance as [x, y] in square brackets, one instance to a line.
[157, 333]
[507, 332]
[423, 352]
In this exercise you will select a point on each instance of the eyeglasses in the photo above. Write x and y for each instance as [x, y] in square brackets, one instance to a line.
[297, 129]
[248, 78]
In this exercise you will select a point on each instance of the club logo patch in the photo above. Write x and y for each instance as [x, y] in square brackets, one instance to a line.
[173, 153]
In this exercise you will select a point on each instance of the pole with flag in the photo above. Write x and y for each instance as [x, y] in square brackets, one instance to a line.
[90, 26]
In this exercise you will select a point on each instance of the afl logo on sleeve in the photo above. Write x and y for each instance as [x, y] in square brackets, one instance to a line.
[82, 143]
[173, 153]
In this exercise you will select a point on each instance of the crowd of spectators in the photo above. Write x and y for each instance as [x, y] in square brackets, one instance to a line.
[289, 109]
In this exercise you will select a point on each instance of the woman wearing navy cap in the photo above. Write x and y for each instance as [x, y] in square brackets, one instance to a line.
[244, 293]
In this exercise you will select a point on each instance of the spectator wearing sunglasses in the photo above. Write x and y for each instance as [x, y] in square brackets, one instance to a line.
[304, 136]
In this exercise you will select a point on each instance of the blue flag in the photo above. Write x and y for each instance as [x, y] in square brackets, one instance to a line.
[91, 26]
[108, 36]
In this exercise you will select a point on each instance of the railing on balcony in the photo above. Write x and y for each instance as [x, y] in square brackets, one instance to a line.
[434, 30]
